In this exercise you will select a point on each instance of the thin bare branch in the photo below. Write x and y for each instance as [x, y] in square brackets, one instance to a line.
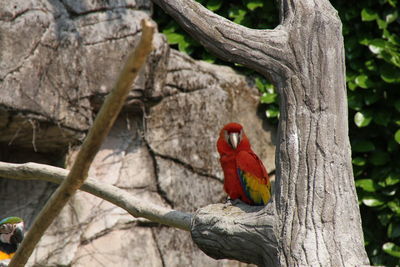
[101, 126]
[262, 50]
[119, 197]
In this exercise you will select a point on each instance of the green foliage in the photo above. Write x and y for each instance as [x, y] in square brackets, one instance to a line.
[372, 42]
[371, 30]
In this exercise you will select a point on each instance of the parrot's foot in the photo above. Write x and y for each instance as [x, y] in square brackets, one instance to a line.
[233, 202]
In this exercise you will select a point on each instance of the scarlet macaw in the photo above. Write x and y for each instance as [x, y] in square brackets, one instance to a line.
[11, 234]
[245, 175]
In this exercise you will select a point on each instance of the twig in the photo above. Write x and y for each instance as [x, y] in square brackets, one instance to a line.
[113, 194]
[101, 126]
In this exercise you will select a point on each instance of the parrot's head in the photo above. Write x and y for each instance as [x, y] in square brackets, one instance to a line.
[11, 230]
[232, 138]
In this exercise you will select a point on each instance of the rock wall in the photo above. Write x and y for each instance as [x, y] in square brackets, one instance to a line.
[58, 59]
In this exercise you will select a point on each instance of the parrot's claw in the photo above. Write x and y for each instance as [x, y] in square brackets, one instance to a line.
[233, 202]
[236, 202]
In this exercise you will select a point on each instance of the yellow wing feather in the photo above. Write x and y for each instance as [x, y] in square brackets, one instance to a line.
[259, 193]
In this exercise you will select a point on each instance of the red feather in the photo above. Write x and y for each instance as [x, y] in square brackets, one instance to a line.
[245, 175]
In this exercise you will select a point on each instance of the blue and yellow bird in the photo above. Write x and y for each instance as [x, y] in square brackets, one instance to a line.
[11, 235]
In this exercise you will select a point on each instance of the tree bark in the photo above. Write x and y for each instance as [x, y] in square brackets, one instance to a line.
[316, 220]
[241, 232]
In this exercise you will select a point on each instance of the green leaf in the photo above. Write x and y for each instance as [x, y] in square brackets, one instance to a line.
[272, 112]
[170, 28]
[397, 136]
[377, 46]
[382, 24]
[363, 81]
[372, 201]
[184, 45]
[237, 14]
[368, 14]
[371, 65]
[367, 185]
[253, 4]
[214, 5]
[390, 74]
[379, 158]
[362, 119]
[363, 146]
[269, 88]
[393, 230]
[208, 57]
[391, 249]
[382, 118]
[392, 179]
[389, 191]
[394, 206]
[355, 101]
[268, 98]
[391, 17]
[174, 38]
[260, 84]
[385, 217]
[352, 86]
[391, 56]
[372, 97]
[359, 161]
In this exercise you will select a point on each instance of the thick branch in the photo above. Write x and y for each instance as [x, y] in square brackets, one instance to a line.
[101, 126]
[119, 197]
[240, 232]
[262, 50]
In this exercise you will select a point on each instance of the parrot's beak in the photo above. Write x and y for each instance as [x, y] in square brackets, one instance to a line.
[234, 139]
[18, 235]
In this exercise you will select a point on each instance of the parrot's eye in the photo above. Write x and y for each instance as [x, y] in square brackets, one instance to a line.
[6, 228]
[226, 136]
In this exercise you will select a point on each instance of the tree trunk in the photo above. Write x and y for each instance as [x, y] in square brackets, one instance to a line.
[316, 202]
[316, 219]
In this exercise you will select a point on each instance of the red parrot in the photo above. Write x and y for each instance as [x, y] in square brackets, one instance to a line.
[245, 175]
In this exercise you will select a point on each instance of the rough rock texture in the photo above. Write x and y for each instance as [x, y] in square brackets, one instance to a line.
[57, 61]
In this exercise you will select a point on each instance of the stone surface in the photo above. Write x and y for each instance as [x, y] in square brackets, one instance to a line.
[58, 60]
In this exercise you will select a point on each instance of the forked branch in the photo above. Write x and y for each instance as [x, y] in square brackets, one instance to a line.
[261, 50]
